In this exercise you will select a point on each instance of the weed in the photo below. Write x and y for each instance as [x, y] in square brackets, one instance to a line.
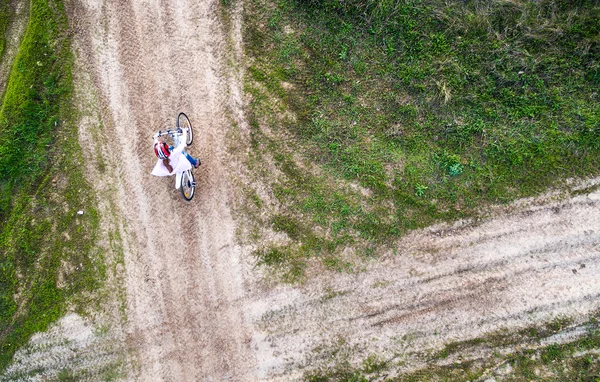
[330, 294]
[552, 353]
[66, 375]
[420, 189]
[373, 364]
[286, 261]
[559, 323]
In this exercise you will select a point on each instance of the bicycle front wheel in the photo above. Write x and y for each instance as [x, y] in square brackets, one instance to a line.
[183, 122]
[188, 185]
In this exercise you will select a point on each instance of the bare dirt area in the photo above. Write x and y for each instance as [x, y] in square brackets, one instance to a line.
[72, 346]
[197, 309]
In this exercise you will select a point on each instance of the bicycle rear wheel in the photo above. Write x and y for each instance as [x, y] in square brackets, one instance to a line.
[188, 185]
[183, 122]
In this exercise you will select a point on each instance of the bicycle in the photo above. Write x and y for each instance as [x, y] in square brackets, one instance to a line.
[184, 181]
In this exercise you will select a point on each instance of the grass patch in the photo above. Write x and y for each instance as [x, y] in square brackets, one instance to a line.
[5, 17]
[47, 250]
[382, 117]
[285, 260]
[576, 360]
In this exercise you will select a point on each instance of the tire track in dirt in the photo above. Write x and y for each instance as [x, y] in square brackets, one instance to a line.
[183, 269]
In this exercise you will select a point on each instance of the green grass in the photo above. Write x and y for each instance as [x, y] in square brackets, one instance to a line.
[416, 112]
[570, 361]
[48, 255]
[5, 16]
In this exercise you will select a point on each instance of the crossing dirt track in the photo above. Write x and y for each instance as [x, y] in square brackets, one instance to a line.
[196, 307]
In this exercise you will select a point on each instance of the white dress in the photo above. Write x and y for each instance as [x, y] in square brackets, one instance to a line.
[177, 160]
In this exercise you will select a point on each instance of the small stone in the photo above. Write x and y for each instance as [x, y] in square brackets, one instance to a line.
[80, 212]
[574, 271]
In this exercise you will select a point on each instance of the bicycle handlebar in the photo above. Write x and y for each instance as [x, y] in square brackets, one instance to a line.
[170, 132]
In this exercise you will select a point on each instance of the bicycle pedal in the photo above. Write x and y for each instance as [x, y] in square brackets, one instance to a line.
[194, 184]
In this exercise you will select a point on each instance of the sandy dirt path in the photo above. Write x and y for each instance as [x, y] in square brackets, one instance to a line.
[148, 61]
[195, 309]
[527, 266]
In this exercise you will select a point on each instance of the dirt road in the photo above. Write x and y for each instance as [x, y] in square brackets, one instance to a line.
[149, 60]
[527, 266]
[196, 312]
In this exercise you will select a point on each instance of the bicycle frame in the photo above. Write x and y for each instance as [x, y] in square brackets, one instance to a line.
[184, 180]
[176, 135]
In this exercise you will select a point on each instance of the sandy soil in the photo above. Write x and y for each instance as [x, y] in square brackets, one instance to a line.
[197, 309]
[74, 344]
[183, 273]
